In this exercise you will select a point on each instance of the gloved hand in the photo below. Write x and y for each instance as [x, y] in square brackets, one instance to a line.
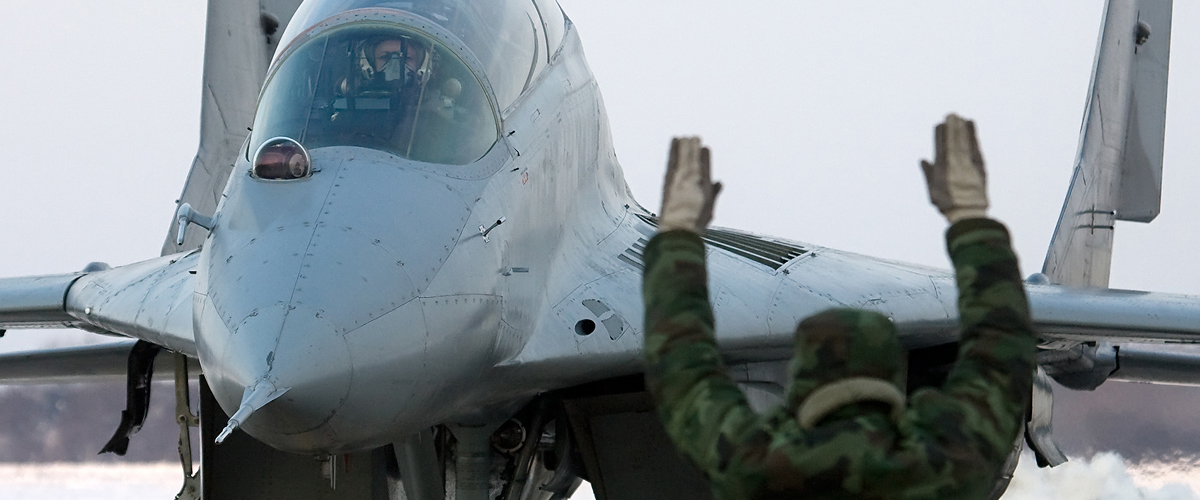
[688, 191]
[957, 182]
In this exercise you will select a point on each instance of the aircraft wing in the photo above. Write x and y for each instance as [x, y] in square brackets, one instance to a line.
[1115, 315]
[1147, 337]
[152, 301]
[88, 363]
[149, 300]
[1158, 364]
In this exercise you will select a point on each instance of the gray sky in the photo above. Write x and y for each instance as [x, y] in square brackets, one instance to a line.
[817, 113]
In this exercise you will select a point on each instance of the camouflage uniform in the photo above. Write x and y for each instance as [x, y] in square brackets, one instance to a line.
[948, 442]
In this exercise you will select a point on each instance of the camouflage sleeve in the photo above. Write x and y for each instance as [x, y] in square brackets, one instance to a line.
[980, 407]
[701, 408]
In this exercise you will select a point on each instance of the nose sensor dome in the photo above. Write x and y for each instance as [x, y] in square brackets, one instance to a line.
[281, 158]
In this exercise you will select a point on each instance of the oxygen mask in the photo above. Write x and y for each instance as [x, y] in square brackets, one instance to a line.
[394, 69]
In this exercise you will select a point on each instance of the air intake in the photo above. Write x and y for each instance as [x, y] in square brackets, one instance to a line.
[771, 253]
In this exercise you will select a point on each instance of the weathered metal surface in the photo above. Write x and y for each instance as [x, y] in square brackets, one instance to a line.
[1118, 169]
[35, 301]
[149, 300]
[103, 362]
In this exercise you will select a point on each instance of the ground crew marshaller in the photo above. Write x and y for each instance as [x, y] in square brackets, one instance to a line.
[847, 428]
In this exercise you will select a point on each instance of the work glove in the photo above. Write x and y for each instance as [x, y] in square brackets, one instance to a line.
[688, 191]
[957, 182]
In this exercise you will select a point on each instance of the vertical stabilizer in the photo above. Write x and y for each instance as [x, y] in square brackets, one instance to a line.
[238, 42]
[1118, 168]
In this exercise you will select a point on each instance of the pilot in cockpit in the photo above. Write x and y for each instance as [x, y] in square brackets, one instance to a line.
[400, 62]
[382, 89]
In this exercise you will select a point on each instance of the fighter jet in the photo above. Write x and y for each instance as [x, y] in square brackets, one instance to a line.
[422, 264]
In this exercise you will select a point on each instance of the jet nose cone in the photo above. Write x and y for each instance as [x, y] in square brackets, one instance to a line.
[320, 286]
[295, 349]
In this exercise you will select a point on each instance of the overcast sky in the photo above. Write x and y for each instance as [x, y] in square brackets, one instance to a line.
[817, 113]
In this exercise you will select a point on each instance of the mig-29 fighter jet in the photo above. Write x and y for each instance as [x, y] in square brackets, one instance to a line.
[422, 266]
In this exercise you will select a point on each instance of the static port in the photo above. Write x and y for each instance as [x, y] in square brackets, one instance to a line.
[585, 327]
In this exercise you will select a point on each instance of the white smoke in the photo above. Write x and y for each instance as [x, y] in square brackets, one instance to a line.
[1106, 476]
[584, 492]
[1176, 469]
[90, 481]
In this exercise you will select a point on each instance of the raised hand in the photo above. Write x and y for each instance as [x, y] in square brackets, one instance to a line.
[688, 191]
[956, 178]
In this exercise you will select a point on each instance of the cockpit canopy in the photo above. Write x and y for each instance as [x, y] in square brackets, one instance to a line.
[423, 79]
[383, 86]
[511, 39]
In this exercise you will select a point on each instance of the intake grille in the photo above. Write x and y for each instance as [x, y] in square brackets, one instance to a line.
[771, 253]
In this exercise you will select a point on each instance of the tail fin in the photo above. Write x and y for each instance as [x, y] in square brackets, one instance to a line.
[1118, 168]
[238, 42]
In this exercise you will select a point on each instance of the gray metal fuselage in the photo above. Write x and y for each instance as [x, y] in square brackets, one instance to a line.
[369, 291]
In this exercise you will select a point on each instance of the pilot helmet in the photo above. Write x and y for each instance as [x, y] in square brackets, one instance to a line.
[845, 357]
[399, 60]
